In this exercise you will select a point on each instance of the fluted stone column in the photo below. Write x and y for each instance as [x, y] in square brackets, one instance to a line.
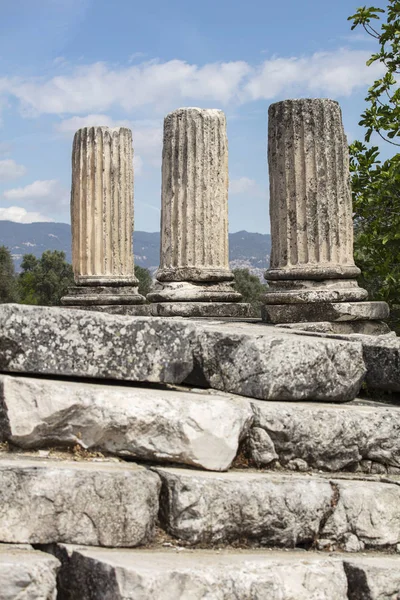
[312, 271]
[194, 278]
[102, 219]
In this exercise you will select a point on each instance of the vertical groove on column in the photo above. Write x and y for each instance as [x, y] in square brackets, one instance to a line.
[91, 201]
[107, 200]
[334, 217]
[322, 181]
[83, 200]
[98, 211]
[283, 204]
[130, 194]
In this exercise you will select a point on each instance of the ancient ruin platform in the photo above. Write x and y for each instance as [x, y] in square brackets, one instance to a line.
[201, 309]
[280, 509]
[324, 311]
[93, 503]
[26, 573]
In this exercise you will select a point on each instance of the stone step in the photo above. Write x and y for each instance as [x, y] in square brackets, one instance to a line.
[280, 509]
[93, 503]
[159, 425]
[258, 361]
[100, 574]
[27, 574]
[200, 428]
[358, 436]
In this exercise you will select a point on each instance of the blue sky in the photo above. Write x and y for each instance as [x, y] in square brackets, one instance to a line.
[65, 64]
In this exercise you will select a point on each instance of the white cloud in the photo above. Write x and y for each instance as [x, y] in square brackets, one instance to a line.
[98, 87]
[9, 169]
[21, 215]
[155, 87]
[37, 189]
[44, 193]
[242, 185]
[333, 74]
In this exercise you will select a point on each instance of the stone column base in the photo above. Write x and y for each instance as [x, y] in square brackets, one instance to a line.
[304, 292]
[190, 291]
[98, 295]
[324, 311]
[201, 309]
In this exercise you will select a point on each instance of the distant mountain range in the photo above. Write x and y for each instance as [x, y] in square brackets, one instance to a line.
[246, 250]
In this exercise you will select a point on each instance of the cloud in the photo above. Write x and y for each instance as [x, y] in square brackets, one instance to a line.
[331, 74]
[242, 185]
[21, 215]
[43, 193]
[154, 86]
[9, 169]
[98, 87]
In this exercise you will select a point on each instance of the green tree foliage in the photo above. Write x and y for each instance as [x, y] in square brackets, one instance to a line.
[145, 280]
[376, 184]
[251, 289]
[8, 282]
[44, 281]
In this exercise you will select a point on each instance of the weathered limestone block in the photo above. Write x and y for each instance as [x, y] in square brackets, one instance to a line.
[356, 436]
[27, 574]
[368, 511]
[382, 359]
[203, 574]
[266, 363]
[280, 509]
[252, 360]
[373, 577]
[194, 258]
[102, 218]
[381, 354]
[344, 327]
[58, 341]
[144, 423]
[91, 503]
[275, 509]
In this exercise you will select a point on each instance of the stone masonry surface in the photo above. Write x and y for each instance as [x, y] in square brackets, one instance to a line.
[145, 423]
[280, 509]
[91, 503]
[26, 574]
